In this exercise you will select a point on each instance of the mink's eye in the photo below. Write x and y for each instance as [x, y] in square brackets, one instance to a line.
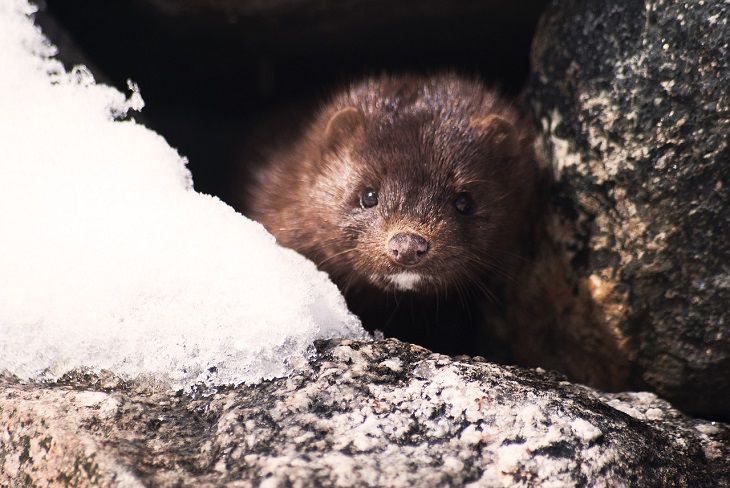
[464, 204]
[368, 198]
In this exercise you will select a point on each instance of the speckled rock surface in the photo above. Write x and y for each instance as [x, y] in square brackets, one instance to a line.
[634, 101]
[360, 414]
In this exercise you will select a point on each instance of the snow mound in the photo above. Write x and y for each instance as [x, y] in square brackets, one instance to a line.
[110, 260]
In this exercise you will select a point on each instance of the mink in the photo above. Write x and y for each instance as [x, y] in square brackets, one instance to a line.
[413, 193]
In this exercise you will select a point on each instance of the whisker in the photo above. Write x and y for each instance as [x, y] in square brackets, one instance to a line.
[491, 266]
[389, 320]
[494, 265]
[510, 254]
[486, 291]
[335, 255]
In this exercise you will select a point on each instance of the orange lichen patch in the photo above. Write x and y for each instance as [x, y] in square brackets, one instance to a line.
[610, 307]
[598, 287]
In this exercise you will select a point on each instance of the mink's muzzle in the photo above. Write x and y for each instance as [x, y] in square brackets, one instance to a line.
[407, 248]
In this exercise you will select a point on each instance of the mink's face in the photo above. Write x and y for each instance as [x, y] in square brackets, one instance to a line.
[424, 205]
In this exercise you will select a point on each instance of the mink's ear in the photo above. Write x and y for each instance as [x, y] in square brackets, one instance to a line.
[343, 125]
[498, 132]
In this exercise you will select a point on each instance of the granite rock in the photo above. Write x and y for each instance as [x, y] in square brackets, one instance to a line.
[381, 413]
[633, 99]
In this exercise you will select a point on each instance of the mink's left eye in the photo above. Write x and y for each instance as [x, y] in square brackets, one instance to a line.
[464, 204]
[368, 198]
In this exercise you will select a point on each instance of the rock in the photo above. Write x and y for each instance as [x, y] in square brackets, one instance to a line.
[634, 103]
[381, 413]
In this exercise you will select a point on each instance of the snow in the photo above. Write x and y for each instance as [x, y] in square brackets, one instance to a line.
[110, 260]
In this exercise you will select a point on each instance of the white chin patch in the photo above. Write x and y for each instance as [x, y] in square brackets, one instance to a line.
[406, 280]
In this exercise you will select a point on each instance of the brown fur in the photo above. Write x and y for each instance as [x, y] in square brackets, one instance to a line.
[420, 142]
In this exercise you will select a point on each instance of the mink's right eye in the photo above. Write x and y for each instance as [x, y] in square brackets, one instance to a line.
[464, 204]
[368, 198]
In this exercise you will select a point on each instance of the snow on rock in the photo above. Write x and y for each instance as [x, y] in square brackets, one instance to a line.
[110, 260]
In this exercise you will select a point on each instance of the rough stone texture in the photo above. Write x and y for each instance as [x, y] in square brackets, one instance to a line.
[360, 414]
[634, 101]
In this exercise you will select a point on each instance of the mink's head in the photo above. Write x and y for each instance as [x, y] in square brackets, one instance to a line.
[423, 183]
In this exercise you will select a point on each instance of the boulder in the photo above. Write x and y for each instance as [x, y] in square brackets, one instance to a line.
[633, 286]
[381, 413]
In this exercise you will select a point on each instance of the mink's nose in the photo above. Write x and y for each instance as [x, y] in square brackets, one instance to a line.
[407, 249]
